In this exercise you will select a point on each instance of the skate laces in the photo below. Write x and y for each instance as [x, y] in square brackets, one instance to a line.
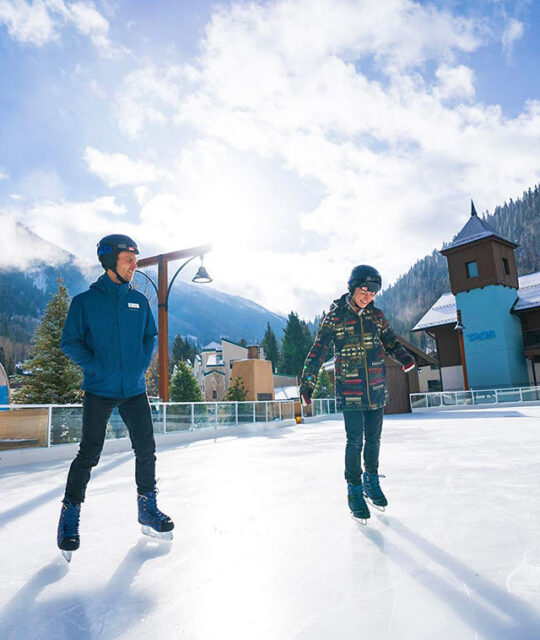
[72, 513]
[373, 481]
[150, 504]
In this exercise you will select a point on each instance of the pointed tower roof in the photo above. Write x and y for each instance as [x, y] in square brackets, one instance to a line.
[475, 229]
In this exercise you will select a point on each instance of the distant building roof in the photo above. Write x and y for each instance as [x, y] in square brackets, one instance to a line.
[444, 310]
[212, 346]
[529, 292]
[475, 229]
[286, 393]
[237, 344]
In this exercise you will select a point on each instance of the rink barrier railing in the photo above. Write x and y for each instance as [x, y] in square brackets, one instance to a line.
[448, 400]
[50, 425]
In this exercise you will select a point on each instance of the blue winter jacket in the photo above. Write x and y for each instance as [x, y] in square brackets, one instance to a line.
[110, 333]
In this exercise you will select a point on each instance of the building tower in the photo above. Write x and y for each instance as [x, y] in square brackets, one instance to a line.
[483, 278]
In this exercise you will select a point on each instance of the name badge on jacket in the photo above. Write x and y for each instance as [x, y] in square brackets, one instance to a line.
[133, 305]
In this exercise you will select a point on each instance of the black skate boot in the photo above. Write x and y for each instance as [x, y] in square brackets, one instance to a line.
[357, 504]
[154, 523]
[373, 491]
[68, 529]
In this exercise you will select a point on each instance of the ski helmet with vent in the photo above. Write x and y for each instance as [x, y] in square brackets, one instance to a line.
[365, 277]
[109, 247]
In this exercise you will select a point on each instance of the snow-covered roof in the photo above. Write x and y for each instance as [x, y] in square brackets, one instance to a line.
[286, 393]
[214, 360]
[529, 292]
[444, 310]
[212, 346]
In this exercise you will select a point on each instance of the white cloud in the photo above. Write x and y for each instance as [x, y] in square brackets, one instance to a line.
[147, 97]
[454, 82]
[74, 226]
[39, 22]
[19, 247]
[118, 169]
[29, 23]
[512, 33]
[337, 95]
[4, 175]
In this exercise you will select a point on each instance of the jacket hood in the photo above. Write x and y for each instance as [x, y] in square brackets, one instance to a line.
[108, 287]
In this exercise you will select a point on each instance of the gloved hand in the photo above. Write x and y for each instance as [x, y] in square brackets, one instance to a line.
[305, 393]
[409, 367]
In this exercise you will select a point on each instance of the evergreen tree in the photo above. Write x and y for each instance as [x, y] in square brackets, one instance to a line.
[295, 346]
[323, 388]
[236, 392]
[152, 377]
[53, 378]
[184, 386]
[182, 349]
[270, 346]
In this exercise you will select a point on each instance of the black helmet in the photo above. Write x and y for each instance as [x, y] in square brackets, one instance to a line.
[366, 277]
[109, 247]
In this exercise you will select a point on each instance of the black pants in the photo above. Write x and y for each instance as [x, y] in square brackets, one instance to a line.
[363, 430]
[136, 414]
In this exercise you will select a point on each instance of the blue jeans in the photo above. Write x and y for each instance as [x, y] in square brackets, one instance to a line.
[137, 415]
[363, 429]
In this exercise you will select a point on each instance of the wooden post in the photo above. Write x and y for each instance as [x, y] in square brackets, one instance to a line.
[163, 331]
[163, 289]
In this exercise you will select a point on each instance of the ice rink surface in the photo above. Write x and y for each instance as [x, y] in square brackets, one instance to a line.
[265, 547]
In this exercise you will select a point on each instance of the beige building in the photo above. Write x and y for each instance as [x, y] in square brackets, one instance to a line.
[257, 377]
[213, 368]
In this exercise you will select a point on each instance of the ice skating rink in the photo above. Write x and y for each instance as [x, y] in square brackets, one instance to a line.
[265, 548]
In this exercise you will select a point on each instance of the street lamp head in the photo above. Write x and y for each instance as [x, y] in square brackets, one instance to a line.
[459, 326]
[201, 277]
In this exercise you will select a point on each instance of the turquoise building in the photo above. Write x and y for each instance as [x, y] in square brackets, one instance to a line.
[488, 328]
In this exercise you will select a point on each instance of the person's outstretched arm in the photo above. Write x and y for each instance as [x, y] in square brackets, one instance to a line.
[318, 354]
[393, 346]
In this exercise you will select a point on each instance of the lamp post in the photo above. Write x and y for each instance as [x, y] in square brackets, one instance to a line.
[163, 290]
[459, 328]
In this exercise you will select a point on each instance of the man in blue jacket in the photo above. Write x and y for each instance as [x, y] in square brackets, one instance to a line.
[110, 333]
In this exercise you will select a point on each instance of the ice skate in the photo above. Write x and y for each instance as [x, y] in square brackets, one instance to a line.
[68, 529]
[373, 491]
[357, 504]
[154, 523]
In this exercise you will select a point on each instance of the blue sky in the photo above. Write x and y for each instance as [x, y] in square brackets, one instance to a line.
[299, 137]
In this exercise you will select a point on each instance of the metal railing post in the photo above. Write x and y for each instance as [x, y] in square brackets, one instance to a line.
[49, 425]
[216, 417]
[266, 411]
[236, 412]
[192, 416]
[164, 418]
[254, 414]
[521, 394]
[279, 405]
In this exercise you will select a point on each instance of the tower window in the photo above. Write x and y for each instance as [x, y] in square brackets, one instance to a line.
[472, 269]
[506, 266]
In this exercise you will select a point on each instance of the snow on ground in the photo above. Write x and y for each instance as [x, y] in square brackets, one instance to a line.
[265, 548]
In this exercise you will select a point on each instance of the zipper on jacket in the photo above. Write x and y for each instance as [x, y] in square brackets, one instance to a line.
[365, 358]
[120, 346]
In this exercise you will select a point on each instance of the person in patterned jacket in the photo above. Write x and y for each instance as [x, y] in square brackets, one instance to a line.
[360, 335]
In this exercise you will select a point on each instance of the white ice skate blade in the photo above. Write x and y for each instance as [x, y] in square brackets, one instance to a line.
[372, 504]
[67, 555]
[159, 535]
[362, 521]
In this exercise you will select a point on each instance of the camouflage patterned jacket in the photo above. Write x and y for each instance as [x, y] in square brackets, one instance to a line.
[360, 340]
